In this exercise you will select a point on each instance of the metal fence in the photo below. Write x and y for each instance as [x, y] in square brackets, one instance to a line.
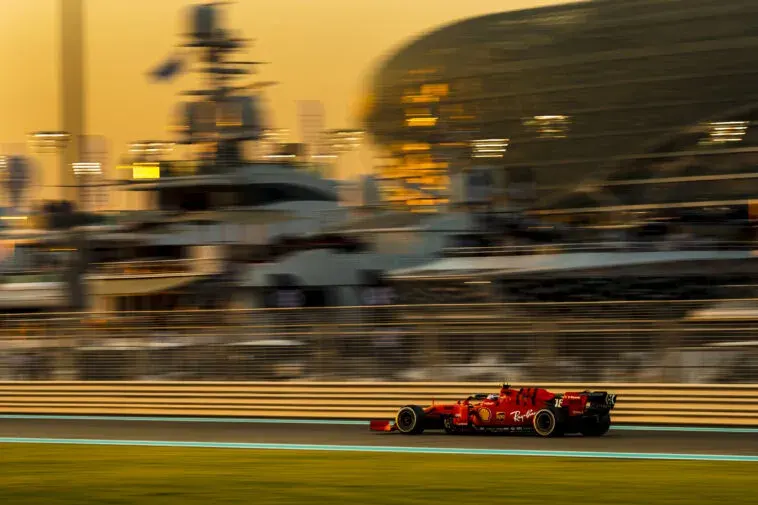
[661, 341]
[669, 244]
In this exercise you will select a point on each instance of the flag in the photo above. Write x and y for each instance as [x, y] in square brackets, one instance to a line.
[168, 69]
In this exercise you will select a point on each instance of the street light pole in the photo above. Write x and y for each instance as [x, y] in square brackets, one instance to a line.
[72, 93]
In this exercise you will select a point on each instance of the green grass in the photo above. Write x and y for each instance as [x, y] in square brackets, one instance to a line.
[57, 474]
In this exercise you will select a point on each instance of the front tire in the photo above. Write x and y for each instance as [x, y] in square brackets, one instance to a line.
[410, 420]
[545, 423]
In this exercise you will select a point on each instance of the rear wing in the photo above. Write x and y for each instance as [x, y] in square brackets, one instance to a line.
[600, 400]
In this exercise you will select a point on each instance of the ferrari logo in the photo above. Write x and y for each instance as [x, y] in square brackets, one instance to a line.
[485, 414]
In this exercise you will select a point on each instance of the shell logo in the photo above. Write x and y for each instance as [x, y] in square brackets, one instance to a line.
[485, 414]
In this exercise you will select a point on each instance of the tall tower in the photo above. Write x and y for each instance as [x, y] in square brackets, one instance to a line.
[72, 92]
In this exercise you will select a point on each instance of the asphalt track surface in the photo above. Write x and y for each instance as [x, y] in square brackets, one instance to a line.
[618, 440]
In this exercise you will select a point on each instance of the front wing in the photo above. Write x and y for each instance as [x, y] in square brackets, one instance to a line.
[382, 425]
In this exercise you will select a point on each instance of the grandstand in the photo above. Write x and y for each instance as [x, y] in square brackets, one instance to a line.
[605, 113]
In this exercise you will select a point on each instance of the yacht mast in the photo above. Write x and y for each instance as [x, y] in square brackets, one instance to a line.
[224, 114]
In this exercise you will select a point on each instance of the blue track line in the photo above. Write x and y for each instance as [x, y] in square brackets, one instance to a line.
[335, 422]
[385, 449]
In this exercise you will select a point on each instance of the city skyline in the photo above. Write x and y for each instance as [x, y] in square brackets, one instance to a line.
[325, 51]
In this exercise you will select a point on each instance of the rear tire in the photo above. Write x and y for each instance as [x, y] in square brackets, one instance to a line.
[545, 423]
[410, 420]
[596, 427]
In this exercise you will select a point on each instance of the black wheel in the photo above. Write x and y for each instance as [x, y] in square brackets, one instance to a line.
[596, 427]
[410, 420]
[450, 427]
[545, 423]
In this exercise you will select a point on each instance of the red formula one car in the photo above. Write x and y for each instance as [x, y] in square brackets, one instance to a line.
[530, 410]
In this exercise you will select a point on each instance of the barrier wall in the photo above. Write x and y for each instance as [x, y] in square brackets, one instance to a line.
[735, 405]
[696, 342]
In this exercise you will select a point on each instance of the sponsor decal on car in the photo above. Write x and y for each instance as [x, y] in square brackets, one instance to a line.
[500, 416]
[485, 414]
[523, 416]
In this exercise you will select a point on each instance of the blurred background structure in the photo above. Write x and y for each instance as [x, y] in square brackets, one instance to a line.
[538, 166]
[607, 112]
[689, 342]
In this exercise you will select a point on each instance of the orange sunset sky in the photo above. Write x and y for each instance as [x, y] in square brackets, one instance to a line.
[319, 50]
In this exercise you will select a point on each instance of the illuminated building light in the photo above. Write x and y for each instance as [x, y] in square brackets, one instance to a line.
[420, 99]
[50, 141]
[423, 202]
[342, 141]
[421, 121]
[551, 118]
[142, 146]
[13, 218]
[3, 162]
[551, 126]
[490, 148]
[416, 147]
[141, 171]
[437, 90]
[438, 180]
[274, 134]
[720, 132]
[50, 135]
[131, 166]
[423, 71]
[86, 168]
